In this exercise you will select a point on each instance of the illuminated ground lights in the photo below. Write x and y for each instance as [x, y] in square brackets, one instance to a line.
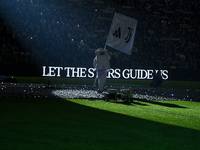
[90, 92]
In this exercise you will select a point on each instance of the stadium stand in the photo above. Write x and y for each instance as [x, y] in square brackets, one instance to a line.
[67, 33]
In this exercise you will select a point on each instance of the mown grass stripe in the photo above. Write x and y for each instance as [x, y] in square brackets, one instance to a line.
[168, 112]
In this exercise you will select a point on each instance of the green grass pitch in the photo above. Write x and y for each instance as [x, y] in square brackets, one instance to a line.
[60, 124]
[85, 124]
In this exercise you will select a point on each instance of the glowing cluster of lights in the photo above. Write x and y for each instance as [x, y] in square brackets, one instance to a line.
[90, 92]
[24, 90]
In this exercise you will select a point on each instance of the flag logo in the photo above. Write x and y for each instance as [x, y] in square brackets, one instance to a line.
[127, 39]
[122, 33]
[117, 33]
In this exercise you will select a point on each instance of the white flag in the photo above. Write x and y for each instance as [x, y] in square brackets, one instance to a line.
[122, 33]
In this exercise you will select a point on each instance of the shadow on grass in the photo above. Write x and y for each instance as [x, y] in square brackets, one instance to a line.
[147, 101]
[61, 124]
[161, 104]
[129, 103]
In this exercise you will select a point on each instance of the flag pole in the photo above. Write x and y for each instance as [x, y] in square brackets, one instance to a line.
[105, 46]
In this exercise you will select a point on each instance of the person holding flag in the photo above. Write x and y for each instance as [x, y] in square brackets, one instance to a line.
[102, 64]
[121, 37]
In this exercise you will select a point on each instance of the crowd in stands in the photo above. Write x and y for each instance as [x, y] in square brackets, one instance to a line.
[67, 32]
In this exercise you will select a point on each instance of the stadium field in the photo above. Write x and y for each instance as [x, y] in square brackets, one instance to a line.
[56, 123]
[28, 123]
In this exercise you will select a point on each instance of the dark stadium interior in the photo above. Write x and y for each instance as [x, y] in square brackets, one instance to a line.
[52, 95]
[67, 33]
